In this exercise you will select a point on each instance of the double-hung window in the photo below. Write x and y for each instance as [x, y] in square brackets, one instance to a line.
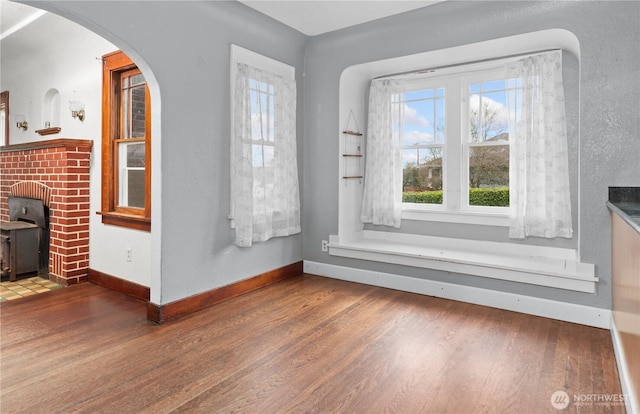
[264, 171]
[485, 142]
[422, 131]
[455, 142]
[455, 130]
[126, 144]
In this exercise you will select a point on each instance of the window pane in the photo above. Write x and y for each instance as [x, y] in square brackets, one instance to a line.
[489, 137]
[262, 106]
[262, 111]
[488, 116]
[422, 175]
[133, 107]
[135, 188]
[423, 115]
[131, 181]
[263, 155]
[418, 95]
[489, 175]
[135, 155]
[418, 117]
[495, 85]
[422, 128]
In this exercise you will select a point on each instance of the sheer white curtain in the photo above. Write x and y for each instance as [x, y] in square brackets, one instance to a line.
[265, 200]
[539, 173]
[382, 197]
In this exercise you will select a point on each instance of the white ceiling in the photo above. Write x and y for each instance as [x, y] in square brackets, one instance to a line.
[313, 17]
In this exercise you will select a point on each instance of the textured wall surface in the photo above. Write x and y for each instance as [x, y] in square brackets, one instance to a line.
[609, 145]
[183, 50]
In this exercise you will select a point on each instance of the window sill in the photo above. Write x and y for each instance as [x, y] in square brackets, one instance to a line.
[483, 219]
[545, 266]
[125, 220]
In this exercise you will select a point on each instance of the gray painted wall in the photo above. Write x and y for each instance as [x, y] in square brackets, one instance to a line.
[609, 147]
[186, 46]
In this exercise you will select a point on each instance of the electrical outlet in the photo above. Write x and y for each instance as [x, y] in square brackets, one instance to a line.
[325, 246]
[129, 254]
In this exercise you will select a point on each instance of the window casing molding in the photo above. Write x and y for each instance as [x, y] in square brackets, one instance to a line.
[270, 85]
[241, 55]
[354, 83]
[455, 159]
[117, 66]
[246, 56]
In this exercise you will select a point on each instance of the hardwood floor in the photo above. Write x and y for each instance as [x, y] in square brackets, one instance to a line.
[307, 344]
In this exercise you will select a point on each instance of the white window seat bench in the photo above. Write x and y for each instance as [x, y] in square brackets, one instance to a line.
[539, 265]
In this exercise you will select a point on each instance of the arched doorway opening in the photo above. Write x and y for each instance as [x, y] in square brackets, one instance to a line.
[67, 50]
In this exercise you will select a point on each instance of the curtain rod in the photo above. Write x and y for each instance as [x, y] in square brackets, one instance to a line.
[429, 70]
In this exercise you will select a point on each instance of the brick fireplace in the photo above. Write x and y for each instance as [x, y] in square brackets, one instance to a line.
[57, 170]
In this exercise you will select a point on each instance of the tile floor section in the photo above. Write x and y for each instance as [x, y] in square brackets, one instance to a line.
[25, 287]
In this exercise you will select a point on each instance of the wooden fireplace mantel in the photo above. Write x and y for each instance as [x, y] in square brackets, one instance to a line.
[49, 143]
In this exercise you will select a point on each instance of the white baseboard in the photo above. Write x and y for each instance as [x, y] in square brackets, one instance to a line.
[630, 399]
[569, 312]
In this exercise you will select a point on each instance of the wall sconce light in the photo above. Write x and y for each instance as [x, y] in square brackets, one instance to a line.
[77, 110]
[22, 125]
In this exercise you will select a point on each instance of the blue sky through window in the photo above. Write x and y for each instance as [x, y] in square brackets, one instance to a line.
[422, 129]
[423, 121]
[423, 113]
[262, 122]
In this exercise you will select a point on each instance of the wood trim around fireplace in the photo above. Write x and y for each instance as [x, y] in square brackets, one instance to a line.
[162, 313]
[50, 143]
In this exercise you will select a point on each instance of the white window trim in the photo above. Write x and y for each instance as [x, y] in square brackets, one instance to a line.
[411, 250]
[483, 73]
[241, 55]
[455, 205]
[267, 64]
[413, 212]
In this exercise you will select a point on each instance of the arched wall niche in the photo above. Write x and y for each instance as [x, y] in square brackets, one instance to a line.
[51, 108]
